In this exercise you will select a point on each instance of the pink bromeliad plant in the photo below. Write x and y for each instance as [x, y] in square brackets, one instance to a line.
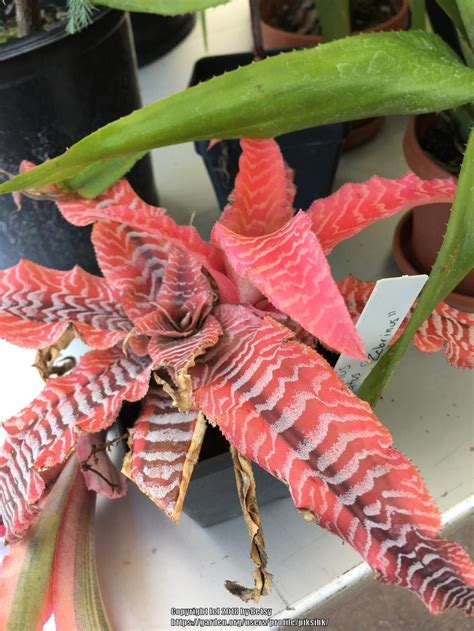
[222, 331]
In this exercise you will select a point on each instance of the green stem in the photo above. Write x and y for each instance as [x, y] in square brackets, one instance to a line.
[418, 14]
[335, 18]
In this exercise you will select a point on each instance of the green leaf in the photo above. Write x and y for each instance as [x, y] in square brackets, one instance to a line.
[163, 7]
[203, 24]
[100, 176]
[466, 11]
[335, 18]
[450, 7]
[418, 14]
[454, 261]
[366, 75]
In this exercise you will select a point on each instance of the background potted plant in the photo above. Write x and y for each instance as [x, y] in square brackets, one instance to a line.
[54, 88]
[433, 147]
[65, 69]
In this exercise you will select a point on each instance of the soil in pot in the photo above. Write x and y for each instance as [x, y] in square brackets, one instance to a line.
[54, 89]
[432, 150]
[301, 16]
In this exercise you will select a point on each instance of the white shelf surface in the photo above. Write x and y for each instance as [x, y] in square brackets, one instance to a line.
[147, 565]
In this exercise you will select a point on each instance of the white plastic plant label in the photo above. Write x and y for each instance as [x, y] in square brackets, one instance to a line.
[389, 303]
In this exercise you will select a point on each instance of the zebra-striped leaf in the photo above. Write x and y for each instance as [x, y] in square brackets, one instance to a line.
[164, 447]
[281, 405]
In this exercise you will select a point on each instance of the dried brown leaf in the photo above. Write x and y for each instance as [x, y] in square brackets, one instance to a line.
[246, 490]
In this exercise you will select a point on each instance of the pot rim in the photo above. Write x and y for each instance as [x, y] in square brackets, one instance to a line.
[401, 254]
[52, 34]
[414, 152]
[387, 25]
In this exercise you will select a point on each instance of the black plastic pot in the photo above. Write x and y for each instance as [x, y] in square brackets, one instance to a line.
[312, 153]
[54, 89]
[156, 35]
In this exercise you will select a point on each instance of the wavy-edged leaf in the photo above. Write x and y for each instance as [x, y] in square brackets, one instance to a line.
[37, 305]
[290, 269]
[133, 263]
[180, 326]
[80, 211]
[151, 220]
[180, 354]
[446, 329]
[452, 9]
[262, 200]
[164, 447]
[354, 206]
[162, 7]
[43, 433]
[466, 10]
[280, 404]
[348, 79]
[183, 285]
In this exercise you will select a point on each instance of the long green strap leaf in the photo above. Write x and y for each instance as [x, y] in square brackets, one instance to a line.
[454, 261]
[162, 7]
[375, 74]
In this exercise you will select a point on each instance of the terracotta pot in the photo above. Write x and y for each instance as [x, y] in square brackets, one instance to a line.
[362, 130]
[278, 38]
[420, 233]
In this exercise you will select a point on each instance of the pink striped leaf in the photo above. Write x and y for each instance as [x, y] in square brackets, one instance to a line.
[151, 220]
[179, 354]
[355, 206]
[42, 435]
[164, 447]
[262, 200]
[52, 570]
[180, 325]
[280, 404]
[37, 305]
[133, 263]
[447, 329]
[120, 204]
[290, 269]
